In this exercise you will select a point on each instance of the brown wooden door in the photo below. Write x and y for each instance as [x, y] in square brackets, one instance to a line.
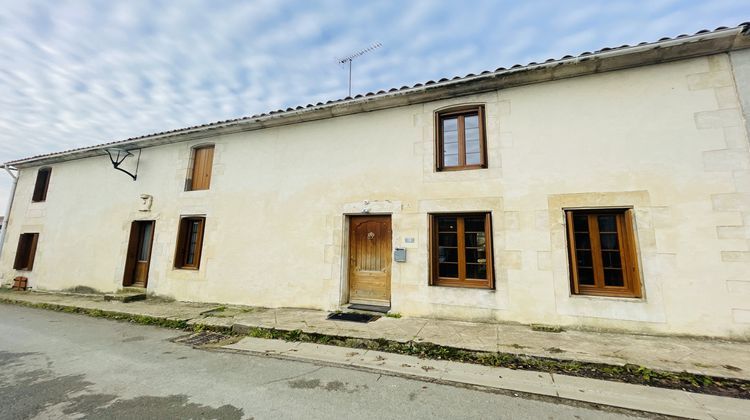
[370, 260]
[139, 254]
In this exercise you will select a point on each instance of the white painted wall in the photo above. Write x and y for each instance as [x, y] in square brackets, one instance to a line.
[668, 140]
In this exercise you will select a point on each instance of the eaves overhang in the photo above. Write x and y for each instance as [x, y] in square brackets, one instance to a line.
[703, 43]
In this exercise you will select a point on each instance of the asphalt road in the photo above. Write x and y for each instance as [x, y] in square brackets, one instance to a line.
[55, 365]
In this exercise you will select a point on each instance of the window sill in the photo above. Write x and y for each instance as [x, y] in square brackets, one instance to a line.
[464, 286]
[187, 268]
[629, 299]
[461, 168]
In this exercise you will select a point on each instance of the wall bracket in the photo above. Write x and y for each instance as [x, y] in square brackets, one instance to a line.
[117, 156]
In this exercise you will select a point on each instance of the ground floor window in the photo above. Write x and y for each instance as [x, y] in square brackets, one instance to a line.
[461, 250]
[26, 251]
[189, 243]
[603, 259]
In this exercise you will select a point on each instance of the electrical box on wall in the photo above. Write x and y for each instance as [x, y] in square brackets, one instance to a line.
[399, 255]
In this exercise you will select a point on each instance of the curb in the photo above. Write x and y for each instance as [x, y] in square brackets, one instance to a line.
[629, 374]
[100, 313]
[549, 387]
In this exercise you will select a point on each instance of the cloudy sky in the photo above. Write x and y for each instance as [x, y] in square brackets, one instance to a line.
[77, 73]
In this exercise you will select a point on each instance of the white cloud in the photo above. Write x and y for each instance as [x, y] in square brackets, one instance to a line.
[78, 73]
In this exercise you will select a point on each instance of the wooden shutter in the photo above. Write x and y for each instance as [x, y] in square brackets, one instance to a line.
[179, 257]
[42, 182]
[202, 162]
[130, 258]
[26, 251]
[198, 241]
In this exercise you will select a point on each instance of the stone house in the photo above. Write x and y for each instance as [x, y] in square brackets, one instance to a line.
[608, 191]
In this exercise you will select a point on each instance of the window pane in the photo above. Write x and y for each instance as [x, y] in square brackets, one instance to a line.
[580, 223]
[472, 146]
[450, 149]
[450, 137]
[586, 276]
[448, 255]
[476, 271]
[473, 159]
[450, 124]
[474, 224]
[583, 258]
[450, 160]
[613, 277]
[607, 223]
[475, 239]
[608, 241]
[145, 244]
[471, 121]
[192, 242]
[476, 255]
[448, 270]
[472, 134]
[447, 239]
[446, 224]
[611, 259]
[583, 241]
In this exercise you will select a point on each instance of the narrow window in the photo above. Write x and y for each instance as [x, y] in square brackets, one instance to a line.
[602, 255]
[461, 141]
[200, 175]
[189, 242]
[461, 250]
[26, 251]
[42, 182]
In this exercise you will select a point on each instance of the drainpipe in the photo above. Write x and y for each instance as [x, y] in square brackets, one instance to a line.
[8, 206]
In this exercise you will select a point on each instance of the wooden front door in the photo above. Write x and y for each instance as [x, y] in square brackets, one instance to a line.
[139, 254]
[370, 260]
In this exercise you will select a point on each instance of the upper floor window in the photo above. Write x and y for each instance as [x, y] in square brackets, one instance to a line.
[461, 250]
[26, 251]
[40, 187]
[461, 141]
[200, 173]
[603, 260]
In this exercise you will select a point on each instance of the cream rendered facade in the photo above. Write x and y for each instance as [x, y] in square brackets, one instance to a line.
[668, 140]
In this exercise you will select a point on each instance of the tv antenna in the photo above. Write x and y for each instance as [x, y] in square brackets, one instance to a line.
[350, 57]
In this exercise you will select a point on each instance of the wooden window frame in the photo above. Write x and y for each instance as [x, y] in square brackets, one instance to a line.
[41, 187]
[190, 181]
[25, 257]
[183, 243]
[460, 112]
[628, 255]
[461, 281]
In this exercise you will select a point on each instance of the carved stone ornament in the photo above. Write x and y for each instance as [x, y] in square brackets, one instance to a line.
[146, 201]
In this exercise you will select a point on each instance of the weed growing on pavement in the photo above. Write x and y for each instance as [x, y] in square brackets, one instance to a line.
[628, 373]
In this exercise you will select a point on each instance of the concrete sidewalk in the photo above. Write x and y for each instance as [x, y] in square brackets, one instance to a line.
[702, 356]
[668, 402]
